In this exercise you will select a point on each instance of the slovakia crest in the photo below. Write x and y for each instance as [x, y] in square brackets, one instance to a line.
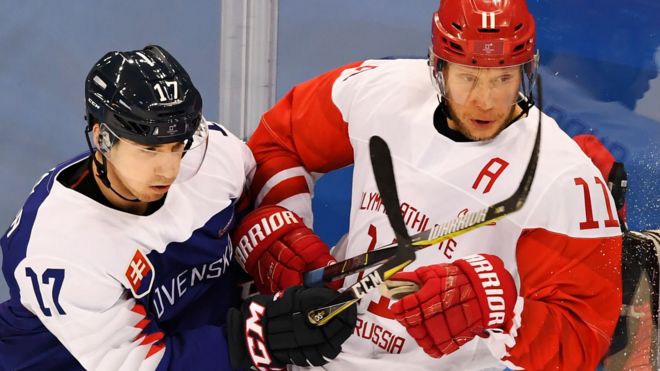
[140, 274]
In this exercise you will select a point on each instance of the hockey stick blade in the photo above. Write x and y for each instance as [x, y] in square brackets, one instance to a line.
[438, 233]
[381, 163]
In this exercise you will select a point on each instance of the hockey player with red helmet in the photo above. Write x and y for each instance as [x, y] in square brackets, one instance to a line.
[539, 289]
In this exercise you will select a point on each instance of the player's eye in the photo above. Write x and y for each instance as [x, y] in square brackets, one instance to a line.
[503, 79]
[178, 147]
[467, 78]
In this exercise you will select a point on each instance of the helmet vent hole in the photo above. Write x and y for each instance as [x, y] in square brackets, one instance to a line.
[132, 126]
[453, 51]
[456, 46]
[518, 27]
[144, 129]
[518, 48]
[489, 30]
[457, 26]
[170, 114]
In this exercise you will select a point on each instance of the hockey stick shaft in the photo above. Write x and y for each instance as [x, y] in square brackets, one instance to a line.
[358, 263]
[381, 162]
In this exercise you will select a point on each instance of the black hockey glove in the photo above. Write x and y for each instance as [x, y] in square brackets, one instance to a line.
[272, 331]
[639, 256]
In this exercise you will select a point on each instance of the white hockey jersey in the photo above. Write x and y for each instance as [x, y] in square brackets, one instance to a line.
[96, 287]
[562, 247]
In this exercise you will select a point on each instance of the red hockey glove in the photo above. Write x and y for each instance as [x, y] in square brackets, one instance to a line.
[456, 302]
[275, 247]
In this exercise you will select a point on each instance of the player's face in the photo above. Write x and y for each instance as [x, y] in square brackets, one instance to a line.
[481, 100]
[145, 172]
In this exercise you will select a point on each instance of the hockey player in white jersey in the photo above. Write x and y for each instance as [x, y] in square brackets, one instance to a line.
[540, 289]
[120, 258]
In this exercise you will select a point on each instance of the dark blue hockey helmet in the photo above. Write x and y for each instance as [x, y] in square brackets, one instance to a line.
[145, 96]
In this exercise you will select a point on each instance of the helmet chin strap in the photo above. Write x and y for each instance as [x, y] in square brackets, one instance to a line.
[524, 105]
[102, 168]
[445, 108]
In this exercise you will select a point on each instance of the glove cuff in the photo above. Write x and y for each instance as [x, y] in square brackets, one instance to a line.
[493, 286]
[259, 230]
[238, 355]
[247, 337]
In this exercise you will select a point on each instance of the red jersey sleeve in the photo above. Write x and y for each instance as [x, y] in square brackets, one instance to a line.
[569, 263]
[564, 325]
[303, 133]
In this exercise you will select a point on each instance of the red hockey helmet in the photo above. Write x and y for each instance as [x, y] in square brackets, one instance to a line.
[484, 34]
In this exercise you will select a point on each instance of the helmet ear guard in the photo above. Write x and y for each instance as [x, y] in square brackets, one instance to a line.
[105, 140]
[105, 144]
[101, 166]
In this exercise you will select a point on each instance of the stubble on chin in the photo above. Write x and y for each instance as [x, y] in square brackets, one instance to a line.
[148, 196]
[463, 128]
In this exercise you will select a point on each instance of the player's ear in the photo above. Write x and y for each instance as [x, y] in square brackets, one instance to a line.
[96, 130]
[101, 138]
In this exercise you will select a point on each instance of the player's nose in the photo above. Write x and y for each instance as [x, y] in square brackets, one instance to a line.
[482, 97]
[168, 166]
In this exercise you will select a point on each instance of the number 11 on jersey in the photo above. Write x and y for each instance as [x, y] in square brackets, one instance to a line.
[590, 222]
